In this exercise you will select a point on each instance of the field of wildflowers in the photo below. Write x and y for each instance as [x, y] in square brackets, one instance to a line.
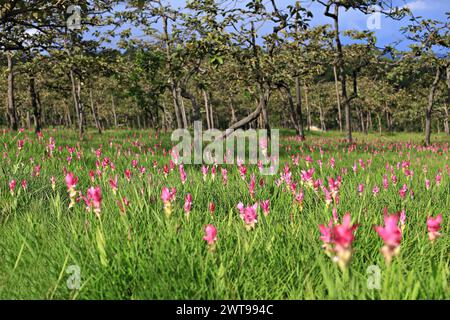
[113, 217]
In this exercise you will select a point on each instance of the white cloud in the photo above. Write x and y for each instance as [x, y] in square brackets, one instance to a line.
[417, 5]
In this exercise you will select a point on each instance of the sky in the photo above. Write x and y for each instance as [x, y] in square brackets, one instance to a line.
[387, 30]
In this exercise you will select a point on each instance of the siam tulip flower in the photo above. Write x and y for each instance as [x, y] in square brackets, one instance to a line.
[427, 184]
[113, 184]
[385, 182]
[187, 204]
[332, 163]
[394, 179]
[265, 205]
[251, 186]
[71, 183]
[360, 189]
[248, 215]
[182, 174]
[213, 172]
[434, 225]
[307, 176]
[53, 182]
[166, 170]
[224, 176]
[343, 236]
[24, 184]
[242, 171]
[391, 235]
[168, 196]
[355, 167]
[127, 173]
[403, 191]
[402, 220]
[92, 175]
[328, 196]
[375, 190]
[204, 172]
[438, 179]
[36, 171]
[12, 186]
[326, 238]
[299, 197]
[20, 144]
[210, 236]
[335, 215]
[212, 207]
[94, 198]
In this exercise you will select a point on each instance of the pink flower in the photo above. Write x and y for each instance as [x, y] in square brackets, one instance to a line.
[182, 174]
[24, 184]
[187, 204]
[53, 182]
[326, 235]
[167, 195]
[12, 186]
[20, 144]
[71, 181]
[113, 184]
[434, 225]
[224, 176]
[403, 191]
[212, 207]
[385, 182]
[360, 189]
[265, 205]
[210, 234]
[251, 186]
[242, 171]
[335, 215]
[343, 233]
[94, 197]
[128, 174]
[204, 172]
[438, 179]
[427, 184]
[391, 235]
[375, 190]
[248, 215]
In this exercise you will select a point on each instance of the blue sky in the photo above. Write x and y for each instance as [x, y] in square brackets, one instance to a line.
[389, 29]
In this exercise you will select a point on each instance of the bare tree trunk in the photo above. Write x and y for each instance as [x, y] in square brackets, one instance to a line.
[299, 113]
[447, 104]
[76, 92]
[113, 104]
[35, 105]
[308, 111]
[12, 112]
[338, 99]
[379, 123]
[430, 106]
[233, 111]
[195, 108]
[322, 118]
[211, 114]
[205, 98]
[251, 117]
[94, 112]
[183, 111]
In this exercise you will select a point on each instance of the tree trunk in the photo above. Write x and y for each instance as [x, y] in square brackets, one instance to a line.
[113, 104]
[430, 106]
[94, 112]
[182, 110]
[35, 104]
[379, 123]
[447, 104]
[338, 99]
[205, 98]
[12, 112]
[308, 111]
[298, 112]
[233, 111]
[195, 108]
[211, 114]
[342, 76]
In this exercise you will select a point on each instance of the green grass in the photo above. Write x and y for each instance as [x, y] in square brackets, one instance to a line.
[145, 255]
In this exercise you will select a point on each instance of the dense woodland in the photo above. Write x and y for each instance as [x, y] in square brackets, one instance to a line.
[149, 64]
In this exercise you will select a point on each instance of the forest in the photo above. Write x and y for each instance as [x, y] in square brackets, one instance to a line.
[230, 64]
